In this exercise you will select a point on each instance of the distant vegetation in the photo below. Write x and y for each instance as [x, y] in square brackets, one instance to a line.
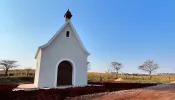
[115, 67]
[112, 74]
[149, 66]
[131, 78]
[18, 72]
[7, 64]
[99, 77]
[21, 79]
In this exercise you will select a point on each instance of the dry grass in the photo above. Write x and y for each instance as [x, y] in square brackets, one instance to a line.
[93, 76]
[131, 78]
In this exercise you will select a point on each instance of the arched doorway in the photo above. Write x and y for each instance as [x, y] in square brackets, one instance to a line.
[64, 73]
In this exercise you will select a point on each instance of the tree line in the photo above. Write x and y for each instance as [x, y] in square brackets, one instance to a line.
[9, 64]
[148, 66]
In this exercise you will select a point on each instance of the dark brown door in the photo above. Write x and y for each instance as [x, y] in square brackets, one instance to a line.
[64, 75]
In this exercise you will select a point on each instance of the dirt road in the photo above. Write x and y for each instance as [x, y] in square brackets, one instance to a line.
[160, 92]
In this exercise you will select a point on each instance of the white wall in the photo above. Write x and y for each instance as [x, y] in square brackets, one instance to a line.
[63, 47]
[38, 58]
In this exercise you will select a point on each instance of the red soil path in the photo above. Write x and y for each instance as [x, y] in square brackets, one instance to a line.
[160, 92]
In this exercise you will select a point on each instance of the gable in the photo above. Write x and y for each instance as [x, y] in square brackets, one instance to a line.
[57, 34]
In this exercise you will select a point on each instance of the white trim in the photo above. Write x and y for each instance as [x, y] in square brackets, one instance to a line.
[59, 31]
[73, 71]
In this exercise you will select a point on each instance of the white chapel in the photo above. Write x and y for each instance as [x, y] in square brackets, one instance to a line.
[62, 61]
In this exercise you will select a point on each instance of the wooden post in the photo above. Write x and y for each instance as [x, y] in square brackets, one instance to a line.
[169, 79]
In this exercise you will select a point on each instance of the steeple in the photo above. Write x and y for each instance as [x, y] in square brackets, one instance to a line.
[68, 15]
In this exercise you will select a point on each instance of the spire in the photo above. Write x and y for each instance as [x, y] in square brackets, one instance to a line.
[68, 15]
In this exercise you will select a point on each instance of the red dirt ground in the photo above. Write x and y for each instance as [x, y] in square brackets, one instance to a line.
[159, 92]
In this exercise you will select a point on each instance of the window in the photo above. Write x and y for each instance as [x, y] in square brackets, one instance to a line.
[67, 33]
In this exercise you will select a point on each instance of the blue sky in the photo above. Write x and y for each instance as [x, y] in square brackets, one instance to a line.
[126, 31]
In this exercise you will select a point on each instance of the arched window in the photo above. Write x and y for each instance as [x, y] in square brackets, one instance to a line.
[67, 33]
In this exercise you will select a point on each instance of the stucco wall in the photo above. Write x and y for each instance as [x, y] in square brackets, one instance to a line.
[61, 48]
[38, 58]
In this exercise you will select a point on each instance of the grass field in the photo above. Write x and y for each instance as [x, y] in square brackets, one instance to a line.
[131, 78]
[94, 77]
[21, 79]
